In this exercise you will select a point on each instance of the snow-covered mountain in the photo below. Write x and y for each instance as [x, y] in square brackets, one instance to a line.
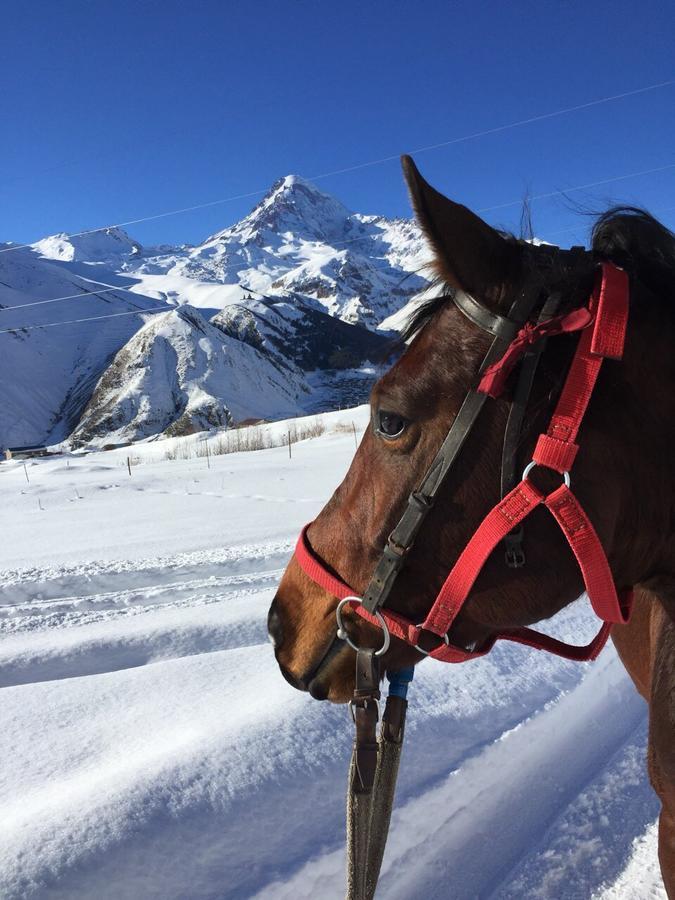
[289, 328]
[109, 245]
[300, 284]
[179, 374]
[297, 239]
[48, 373]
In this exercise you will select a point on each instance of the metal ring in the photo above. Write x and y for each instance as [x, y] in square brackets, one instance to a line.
[528, 468]
[429, 652]
[342, 632]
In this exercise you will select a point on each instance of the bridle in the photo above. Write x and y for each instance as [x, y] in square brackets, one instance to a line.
[602, 325]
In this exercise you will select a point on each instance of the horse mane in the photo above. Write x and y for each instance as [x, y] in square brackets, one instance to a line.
[633, 239]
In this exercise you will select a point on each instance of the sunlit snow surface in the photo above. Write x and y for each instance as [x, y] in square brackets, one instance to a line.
[151, 749]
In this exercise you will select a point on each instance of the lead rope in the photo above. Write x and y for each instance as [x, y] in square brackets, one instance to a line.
[372, 772]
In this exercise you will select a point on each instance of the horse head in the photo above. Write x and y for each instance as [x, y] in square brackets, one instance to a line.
[412, 408]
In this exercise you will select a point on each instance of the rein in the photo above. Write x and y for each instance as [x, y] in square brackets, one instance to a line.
[602, 325]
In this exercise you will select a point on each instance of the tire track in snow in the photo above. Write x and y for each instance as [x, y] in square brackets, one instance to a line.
[47, 582]
[69, 611]
[202, 626]
[465, 835]
[163, 608]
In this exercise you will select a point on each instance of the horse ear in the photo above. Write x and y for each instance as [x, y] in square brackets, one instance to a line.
[469, 254]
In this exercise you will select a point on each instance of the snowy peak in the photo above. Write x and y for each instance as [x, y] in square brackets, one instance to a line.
[292, 206]
[108, 245]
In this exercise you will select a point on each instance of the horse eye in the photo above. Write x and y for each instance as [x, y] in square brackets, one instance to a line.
[390, 425]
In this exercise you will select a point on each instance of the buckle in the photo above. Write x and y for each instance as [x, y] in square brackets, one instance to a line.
[514, 555]
[344, 636]
[445, 639]
[395, 552]
[528, 468]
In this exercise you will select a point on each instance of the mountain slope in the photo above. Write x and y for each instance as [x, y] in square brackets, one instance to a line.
[179, 374]
[289, 328]
[47, 374]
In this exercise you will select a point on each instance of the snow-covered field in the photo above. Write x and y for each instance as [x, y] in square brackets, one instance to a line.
[151, 749]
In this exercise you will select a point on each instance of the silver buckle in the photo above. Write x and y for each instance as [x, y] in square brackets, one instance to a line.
[528, 468]
[342, 633]
[429, 652]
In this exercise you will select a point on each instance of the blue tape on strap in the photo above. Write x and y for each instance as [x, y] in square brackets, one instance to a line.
[399, 681]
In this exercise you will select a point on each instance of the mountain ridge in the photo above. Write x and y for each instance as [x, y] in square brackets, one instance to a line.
[301, 281]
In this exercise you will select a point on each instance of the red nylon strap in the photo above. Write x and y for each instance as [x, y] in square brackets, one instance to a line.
[609, 302]
[314, 568]
[501, 519]
[586, 546]
[530, 638]
[494, 378]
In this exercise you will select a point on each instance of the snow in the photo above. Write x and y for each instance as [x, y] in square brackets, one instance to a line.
[152, 749]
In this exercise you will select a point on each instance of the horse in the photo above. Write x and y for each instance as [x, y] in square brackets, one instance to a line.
[623, 473]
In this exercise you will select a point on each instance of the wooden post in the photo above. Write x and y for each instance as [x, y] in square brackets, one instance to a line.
[40, 504]
[25, 472]
[356, 443]
[129, 465]
[208, 456]
[289, 445]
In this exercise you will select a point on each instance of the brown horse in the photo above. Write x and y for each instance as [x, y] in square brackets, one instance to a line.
[623, 474]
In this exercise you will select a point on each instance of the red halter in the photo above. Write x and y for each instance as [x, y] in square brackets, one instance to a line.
[556, 449]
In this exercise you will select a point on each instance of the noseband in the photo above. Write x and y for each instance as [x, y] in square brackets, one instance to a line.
[602, 325]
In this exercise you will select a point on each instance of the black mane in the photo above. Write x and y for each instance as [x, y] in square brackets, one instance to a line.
[633, 239]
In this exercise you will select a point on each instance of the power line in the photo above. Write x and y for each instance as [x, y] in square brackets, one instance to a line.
[59, 299]
[132, 312]
[108, 289]
[500, 128]
[572, 228]
[579, 187]
[374, 162]
[235, 267]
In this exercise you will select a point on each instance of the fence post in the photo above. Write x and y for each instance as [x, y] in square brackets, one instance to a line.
[356, 443]
[129, 465]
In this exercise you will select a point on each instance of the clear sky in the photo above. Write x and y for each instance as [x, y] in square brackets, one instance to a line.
[113, 110]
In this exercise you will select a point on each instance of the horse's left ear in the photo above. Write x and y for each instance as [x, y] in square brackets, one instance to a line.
[469, 254]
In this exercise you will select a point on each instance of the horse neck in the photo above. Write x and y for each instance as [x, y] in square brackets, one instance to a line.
[646, 432]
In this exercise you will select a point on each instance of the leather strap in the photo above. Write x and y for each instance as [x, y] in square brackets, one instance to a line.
[402, 538]
[369, 813]
[515, 553]
[493, 323]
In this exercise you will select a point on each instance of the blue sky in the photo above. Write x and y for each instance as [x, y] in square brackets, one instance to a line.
[117, 110]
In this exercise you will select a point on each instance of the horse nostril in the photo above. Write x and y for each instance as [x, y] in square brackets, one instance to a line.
[274, 628]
